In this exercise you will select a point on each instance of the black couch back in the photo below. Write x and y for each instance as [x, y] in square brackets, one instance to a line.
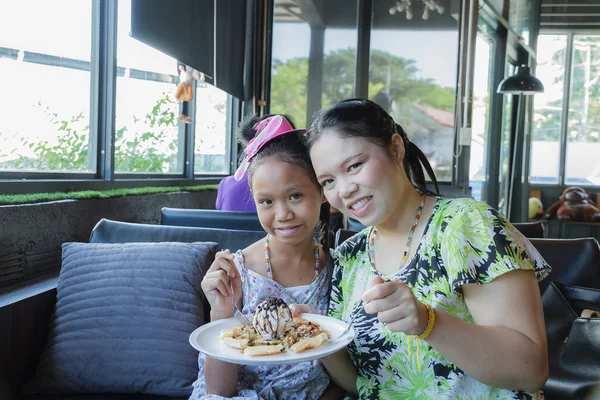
[108, 231]
[237, 220]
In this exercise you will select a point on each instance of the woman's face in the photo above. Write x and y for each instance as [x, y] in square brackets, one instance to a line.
[288, 202]
[359, 178]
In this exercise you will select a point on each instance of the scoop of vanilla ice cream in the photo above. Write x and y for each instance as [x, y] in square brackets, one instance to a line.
[272, 318]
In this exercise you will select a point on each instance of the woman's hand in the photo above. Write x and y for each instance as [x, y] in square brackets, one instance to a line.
[396, 306]
[298, 309]
[216, 288]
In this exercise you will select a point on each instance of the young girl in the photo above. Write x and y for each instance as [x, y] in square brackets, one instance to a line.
[288, 263]
[442, 293]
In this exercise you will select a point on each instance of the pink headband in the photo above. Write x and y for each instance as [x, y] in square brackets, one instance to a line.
[267, 130]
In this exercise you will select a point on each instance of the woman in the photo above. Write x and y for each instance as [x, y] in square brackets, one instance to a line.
[442, 293]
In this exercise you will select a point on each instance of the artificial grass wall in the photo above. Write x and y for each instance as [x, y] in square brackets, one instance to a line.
[6, 199]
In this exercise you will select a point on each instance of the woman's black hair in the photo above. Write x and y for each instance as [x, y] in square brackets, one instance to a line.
[290, 148]
[364, 118]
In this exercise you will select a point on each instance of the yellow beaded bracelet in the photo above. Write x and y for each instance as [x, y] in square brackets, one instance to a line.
[430, 322]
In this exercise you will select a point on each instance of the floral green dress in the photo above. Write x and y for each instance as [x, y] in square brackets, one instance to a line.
[465, 241]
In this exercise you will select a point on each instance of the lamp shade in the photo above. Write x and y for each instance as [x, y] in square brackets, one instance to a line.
[521, 83]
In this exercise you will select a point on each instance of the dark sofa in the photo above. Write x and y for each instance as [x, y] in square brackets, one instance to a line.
[25, 311]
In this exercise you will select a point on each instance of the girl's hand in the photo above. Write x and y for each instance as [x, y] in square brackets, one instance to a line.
[216, 288]
[298, 309]
[396, 306]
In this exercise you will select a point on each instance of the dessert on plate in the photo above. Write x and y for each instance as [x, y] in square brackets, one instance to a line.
[274, 331]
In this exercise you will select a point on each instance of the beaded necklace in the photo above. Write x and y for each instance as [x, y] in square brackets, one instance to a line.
[373, 235]
[268, 259]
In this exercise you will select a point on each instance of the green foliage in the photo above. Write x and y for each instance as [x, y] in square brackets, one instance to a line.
[152, 148]
[288, 88]
[147, 147]
[98, 194]
[68, 153]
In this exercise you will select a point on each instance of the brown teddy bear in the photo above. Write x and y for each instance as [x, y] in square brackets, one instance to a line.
[575, 204]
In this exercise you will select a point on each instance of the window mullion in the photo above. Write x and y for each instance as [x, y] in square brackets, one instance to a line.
[565, 110]
[188, 133]
[94, 157]
[105, 63]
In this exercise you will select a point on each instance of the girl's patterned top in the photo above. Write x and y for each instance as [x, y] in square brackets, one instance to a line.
[306, 380]
[464, 242]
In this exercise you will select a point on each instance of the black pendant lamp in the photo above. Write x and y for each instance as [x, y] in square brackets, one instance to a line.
[521, 83]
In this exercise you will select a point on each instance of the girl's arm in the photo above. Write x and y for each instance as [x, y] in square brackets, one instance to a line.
[221, 377]
[341, 370]
[506, 348]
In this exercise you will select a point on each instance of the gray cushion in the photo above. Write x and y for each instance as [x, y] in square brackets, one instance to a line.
[123, 316]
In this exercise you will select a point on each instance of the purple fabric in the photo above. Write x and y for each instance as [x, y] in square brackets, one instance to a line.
[235, 195]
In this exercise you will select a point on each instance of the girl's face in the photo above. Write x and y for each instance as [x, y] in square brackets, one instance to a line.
[287, 201]
[359, 178]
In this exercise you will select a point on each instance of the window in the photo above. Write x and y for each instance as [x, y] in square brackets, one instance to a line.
[583, 129]
[548, 106]
[407, 77]
[45, 86]
[147, 134]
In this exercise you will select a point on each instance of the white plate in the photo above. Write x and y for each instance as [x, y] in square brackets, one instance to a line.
[206, 340]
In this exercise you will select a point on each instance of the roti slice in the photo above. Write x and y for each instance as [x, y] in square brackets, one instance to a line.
[264, 350]
[240, 344]
[309, 343]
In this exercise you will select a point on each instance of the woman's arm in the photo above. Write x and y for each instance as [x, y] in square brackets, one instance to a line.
[341, 370]
[506, 347]
[221, 377]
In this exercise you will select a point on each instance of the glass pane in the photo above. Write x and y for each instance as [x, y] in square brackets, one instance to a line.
[59, 28]
[296, 89]
[211, 153]
[583, 132]
[147, 125]
[480, 118]
[339, 65]
[289, 69]
[545, 148]
[408, 79]
[520, 18]
[507, 110]
[45, 99]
